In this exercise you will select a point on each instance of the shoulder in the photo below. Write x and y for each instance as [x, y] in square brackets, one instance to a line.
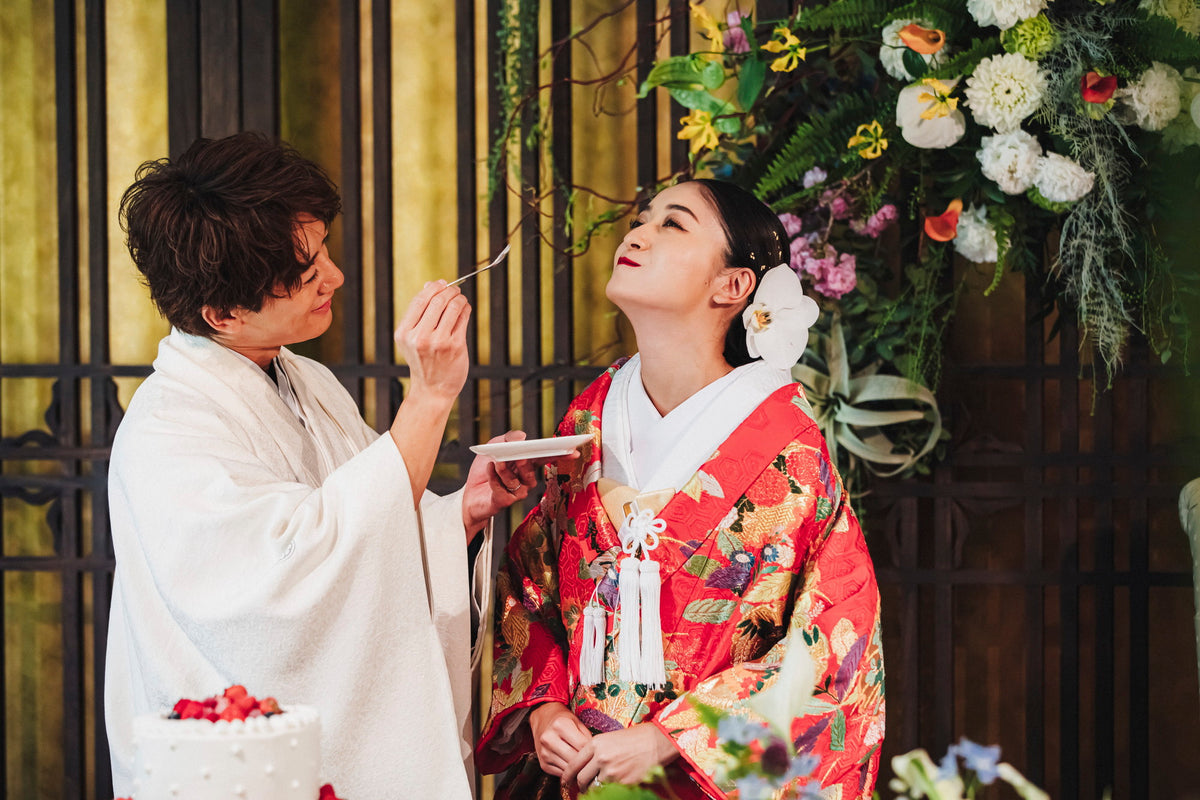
[806, 461]
[591, 399]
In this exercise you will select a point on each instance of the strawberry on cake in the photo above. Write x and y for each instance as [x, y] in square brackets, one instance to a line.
[231, 745]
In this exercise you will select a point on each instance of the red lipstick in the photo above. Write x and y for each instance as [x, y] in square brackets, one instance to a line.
[628, 261]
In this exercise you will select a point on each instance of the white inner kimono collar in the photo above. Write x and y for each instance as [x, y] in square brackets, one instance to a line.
[650, 452]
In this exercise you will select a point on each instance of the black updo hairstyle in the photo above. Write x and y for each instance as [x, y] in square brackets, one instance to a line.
[754, 238]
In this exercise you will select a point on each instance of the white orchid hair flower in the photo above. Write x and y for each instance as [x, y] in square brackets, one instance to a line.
[778, 320]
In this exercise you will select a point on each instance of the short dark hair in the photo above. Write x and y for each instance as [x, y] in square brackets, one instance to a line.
[217, 225]
[754, 238]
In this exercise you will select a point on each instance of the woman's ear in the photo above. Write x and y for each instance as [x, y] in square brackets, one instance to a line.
[734, 287]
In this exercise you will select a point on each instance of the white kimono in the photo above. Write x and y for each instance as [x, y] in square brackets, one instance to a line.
[256, 548]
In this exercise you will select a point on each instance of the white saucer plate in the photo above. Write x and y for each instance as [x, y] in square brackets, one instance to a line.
[550, 447]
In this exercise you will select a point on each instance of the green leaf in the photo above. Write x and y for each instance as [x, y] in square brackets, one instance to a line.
[699, 99]
[712, 611]
[750, 82]
[728, 125]
[727, 543]
[837, 732]
[913, 62]
[861, 15]
[674, 71]
[713, 75]
[701, 566]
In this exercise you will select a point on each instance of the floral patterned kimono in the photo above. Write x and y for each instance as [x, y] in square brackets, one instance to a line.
[760, 540]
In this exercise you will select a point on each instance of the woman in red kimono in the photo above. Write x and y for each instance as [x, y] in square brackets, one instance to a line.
[703, 522]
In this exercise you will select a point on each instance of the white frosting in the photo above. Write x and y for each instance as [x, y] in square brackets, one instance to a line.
[276, 757]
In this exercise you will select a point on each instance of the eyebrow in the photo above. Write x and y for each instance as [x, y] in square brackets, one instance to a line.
[644, 207]
[685, 209]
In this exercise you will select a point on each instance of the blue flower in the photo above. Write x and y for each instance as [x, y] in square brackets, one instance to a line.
[802, 765]
[810, 791]
[739, 730]
[978, 758]
[754, 787]
[770, 553]
[981, 759]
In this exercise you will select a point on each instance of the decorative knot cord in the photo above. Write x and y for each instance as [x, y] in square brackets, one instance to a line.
[639, 587]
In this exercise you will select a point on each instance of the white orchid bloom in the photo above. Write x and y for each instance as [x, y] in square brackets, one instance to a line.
[790, 695]
[778, 320]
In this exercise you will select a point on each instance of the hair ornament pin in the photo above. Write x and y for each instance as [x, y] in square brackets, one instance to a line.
[778, 320]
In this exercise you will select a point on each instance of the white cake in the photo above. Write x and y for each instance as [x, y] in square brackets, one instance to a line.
[275, 757]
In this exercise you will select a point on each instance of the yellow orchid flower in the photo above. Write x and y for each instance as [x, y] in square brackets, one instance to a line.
[789, 48]
[869, 140]
[698, 126]
[708, 27]
[941, 104]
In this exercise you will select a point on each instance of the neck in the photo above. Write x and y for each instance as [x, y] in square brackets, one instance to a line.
[259, 355]
[678, 361]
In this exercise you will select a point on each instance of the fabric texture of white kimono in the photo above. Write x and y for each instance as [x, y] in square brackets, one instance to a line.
[287, 557]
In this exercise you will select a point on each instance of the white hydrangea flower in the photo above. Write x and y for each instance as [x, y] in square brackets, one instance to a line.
[891, 54]
[1185, 13]
[1004, 13]
[976, 239]
[1061, 180]
[1004, 90]
[1153, 100]
[1184, 130]
[1010, 159]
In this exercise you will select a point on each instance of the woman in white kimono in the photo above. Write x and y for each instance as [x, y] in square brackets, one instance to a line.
[703, 523]
[264, 534]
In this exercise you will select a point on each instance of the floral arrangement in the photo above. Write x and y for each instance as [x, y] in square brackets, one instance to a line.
[762, 761]
[963, 770]
[895, 137]
[939, 130]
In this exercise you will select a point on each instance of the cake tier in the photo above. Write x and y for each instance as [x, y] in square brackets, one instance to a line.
[261, 757]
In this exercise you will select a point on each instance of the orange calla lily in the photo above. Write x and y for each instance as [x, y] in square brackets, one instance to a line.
[925, 41]
[944, 227]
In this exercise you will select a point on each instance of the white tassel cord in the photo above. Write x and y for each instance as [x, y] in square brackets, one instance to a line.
[591, 657]
[629, 639]
[653, 670]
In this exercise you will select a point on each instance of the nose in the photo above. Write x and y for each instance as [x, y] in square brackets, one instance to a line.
[333, 276]
[636, 238]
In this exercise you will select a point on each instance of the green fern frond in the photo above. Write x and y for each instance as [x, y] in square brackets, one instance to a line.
[945, 15]
[843, 15]
[964, 63]
[818, 139]
[1160, 39]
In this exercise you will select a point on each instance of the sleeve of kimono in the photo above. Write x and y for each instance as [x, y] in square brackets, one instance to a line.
[835, 609]
[530, 663]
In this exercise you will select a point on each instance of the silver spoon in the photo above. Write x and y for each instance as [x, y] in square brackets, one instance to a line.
[495, 261]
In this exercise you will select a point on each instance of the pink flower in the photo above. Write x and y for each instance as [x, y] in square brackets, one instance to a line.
[791, 223]
[840, 278]
[735, 37]
[818, 267]
[838, 207]
[814, 176]
[877, 223]
[800, 250]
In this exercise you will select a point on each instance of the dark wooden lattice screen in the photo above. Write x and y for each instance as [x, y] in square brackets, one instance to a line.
[1025, 583]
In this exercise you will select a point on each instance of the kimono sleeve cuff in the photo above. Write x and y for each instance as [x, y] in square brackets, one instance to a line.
[507, 737]
[687, 764]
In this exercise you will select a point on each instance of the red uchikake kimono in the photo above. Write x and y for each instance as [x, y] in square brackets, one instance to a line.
[761, 539]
